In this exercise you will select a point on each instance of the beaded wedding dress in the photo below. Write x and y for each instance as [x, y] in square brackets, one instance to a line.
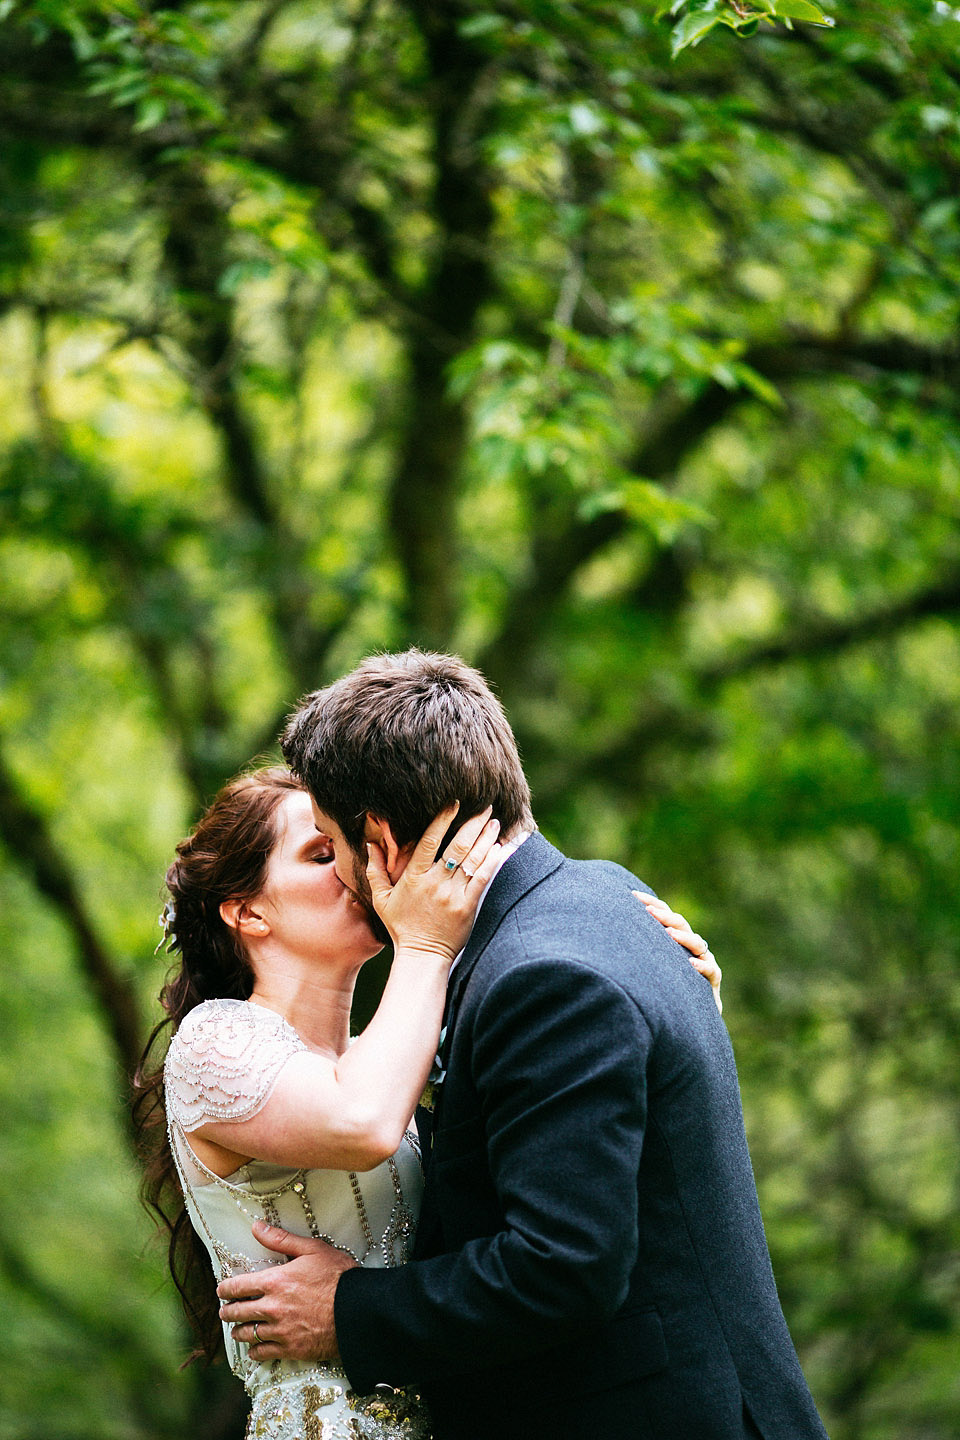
[222, 1064]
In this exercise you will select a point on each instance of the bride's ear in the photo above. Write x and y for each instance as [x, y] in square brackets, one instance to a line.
[240, 916]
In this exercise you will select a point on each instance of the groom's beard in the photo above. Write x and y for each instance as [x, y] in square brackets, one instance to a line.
[361, 889]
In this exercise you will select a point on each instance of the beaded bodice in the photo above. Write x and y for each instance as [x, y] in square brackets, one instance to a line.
[223, 1063]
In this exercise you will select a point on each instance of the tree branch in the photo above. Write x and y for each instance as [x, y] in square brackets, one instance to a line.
[422, 509]
[561, 549]
[195, 247]
[25, 832]
[942, 598]
[618, 762]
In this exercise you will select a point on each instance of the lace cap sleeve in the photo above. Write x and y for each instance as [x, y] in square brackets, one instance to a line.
[224, 1060]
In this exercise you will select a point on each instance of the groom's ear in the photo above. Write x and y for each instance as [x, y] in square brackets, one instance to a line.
[380, 832]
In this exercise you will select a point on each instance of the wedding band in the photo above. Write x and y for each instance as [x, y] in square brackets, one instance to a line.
[451, 865]
[256, 1332]
[469, 873]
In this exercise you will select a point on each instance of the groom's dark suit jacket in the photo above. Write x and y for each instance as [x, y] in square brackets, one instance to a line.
[590, 1258]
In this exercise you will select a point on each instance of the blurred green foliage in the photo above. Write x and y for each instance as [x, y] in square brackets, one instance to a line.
[328, 327]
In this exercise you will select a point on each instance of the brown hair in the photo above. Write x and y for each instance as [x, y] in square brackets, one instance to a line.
[225, 858]
[402, 736]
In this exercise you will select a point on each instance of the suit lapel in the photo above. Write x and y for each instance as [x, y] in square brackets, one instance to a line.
[533, 862]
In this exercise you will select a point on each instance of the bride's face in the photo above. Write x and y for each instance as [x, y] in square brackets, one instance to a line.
[309, 911]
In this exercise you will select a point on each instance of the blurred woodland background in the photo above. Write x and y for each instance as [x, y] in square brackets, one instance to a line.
[346, 324]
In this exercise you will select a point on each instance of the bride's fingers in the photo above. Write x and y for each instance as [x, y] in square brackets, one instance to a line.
[708, 967]
[478, 878]
[668, 918]
[463, 842]
[480, 848]
[701, 956]
[687, 938]
[429, 842]
[661, 911]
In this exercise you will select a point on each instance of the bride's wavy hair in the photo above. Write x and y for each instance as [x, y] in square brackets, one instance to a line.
[224, 858]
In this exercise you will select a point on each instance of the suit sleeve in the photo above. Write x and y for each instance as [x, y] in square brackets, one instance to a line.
[559, 1060]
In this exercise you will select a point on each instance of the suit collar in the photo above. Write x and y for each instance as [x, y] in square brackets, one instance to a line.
[532, 862]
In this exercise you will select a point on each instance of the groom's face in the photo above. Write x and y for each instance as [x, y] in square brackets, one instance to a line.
[350, 865]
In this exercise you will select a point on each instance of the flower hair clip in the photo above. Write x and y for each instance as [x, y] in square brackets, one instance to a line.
[167, 921]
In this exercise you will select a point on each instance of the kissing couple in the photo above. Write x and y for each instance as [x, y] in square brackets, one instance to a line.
[567, 1240]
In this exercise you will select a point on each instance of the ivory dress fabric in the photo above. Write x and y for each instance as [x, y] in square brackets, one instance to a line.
[222, 1064]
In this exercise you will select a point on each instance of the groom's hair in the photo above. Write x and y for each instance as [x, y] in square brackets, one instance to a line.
[403, 736]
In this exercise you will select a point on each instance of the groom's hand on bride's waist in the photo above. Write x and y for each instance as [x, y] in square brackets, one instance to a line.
[286, 1311]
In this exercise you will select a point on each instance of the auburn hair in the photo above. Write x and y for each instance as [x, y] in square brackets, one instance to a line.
[224, 858]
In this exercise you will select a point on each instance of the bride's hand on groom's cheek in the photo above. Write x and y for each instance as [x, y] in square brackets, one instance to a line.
[701, 956]
[286, 1312]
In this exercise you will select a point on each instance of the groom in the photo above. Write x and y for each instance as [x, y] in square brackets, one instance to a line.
[590, 1258]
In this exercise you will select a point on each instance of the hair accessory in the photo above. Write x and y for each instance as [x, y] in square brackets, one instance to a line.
[167, 920]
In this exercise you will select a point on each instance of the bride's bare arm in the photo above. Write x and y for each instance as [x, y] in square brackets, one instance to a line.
[350, 1113]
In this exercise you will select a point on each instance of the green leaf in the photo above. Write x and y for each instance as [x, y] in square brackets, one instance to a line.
[585, 119]
[801, 10]
[760, 386]
[941, 214]
[691, 30]
[239, 272]
[84, 46]
[151, 112]
[479, 25]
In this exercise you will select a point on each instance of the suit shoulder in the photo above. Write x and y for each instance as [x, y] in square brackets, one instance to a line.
[586, 913]
[581, 893]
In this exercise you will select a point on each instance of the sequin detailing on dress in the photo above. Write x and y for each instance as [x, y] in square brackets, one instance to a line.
[224, 1060]
[315, 1409]
[222, 1064]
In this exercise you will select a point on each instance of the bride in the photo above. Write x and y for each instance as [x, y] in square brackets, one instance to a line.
[264, 1109]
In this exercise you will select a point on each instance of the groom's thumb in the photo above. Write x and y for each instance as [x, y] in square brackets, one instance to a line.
[271, 1237]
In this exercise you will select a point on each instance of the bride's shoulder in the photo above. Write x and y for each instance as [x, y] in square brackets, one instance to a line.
[223, 1060]
[215, 1023]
